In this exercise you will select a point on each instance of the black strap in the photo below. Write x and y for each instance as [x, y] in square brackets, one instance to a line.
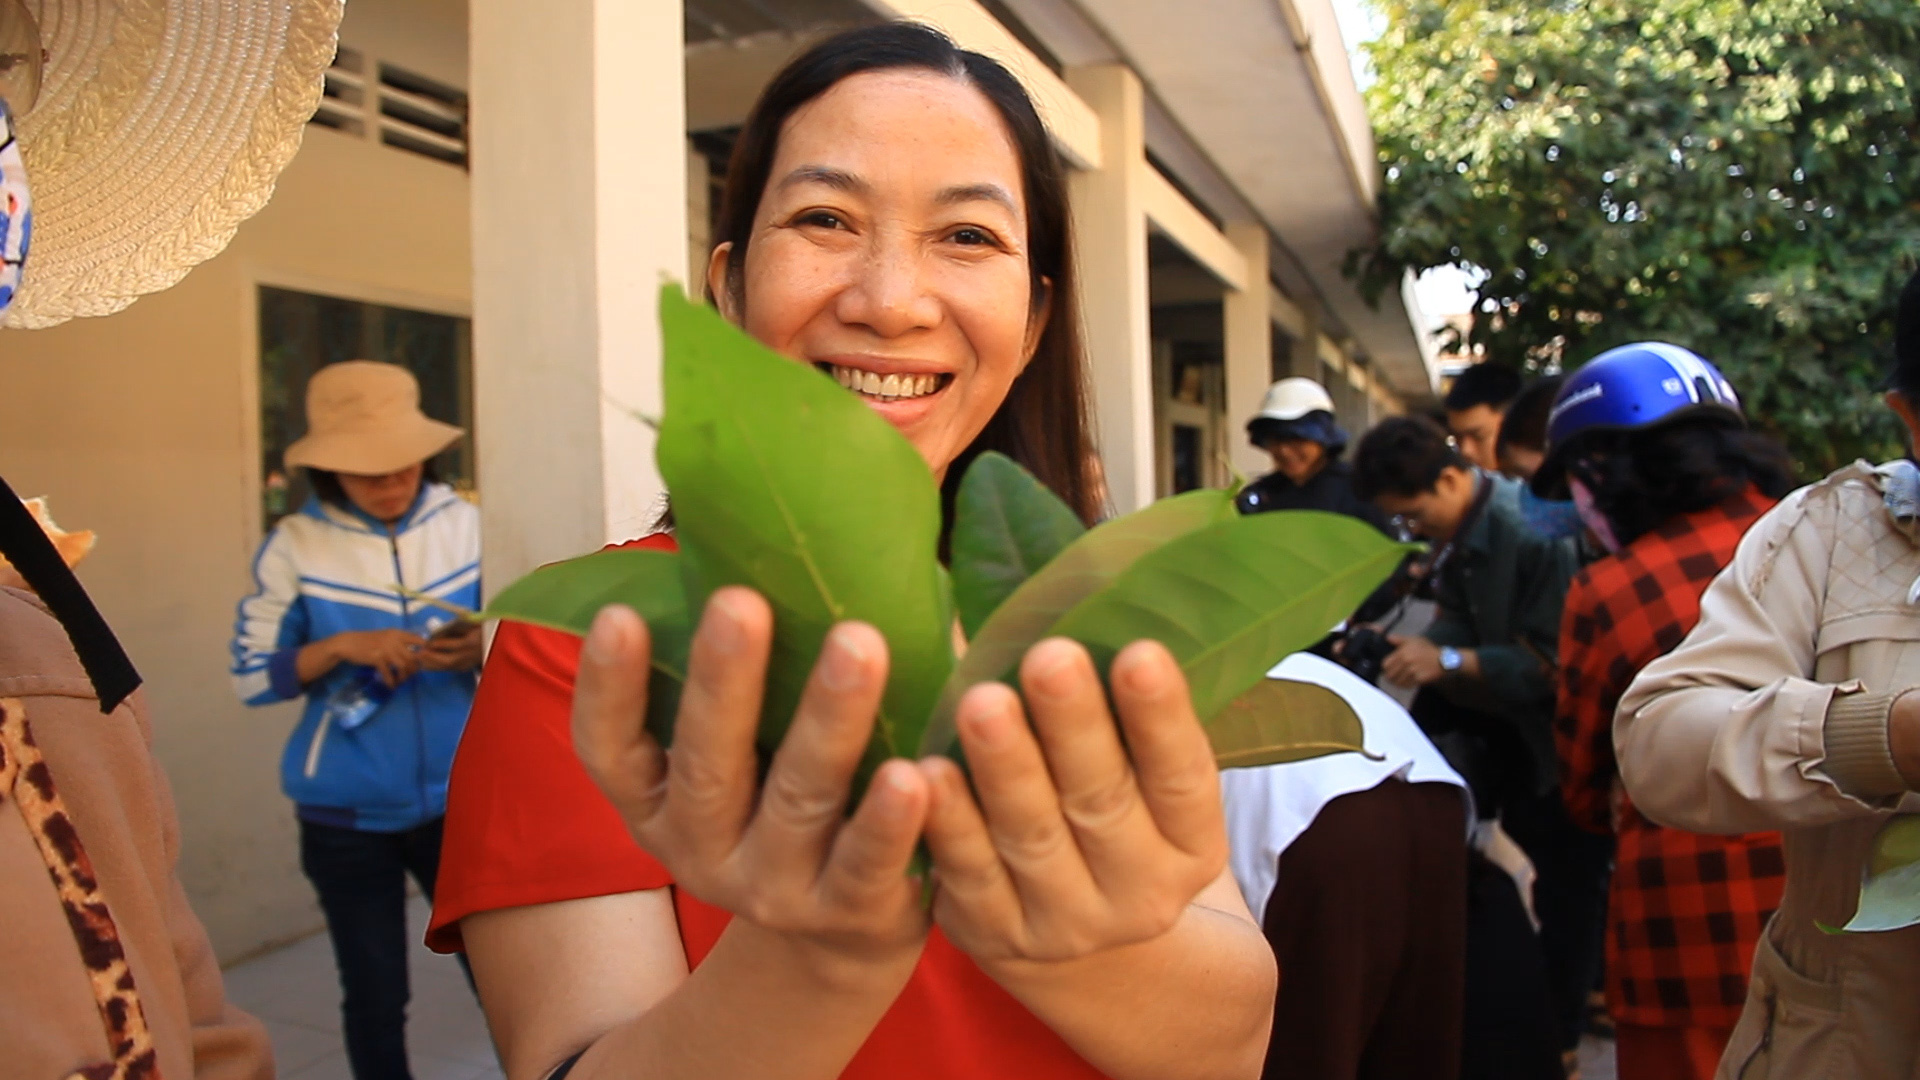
[32, 553]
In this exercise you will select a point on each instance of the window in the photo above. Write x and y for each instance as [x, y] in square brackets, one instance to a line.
[400, 108]
[300, 333]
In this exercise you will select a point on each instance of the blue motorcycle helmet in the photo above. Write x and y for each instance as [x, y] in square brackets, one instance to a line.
[1627, 388]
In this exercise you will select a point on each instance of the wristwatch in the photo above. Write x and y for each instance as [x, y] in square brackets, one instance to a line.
[1450, 659]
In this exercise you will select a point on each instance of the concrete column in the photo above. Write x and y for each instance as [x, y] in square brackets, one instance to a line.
[1306, 348]
[579, 211]
[1248, 319]
[1110, 226]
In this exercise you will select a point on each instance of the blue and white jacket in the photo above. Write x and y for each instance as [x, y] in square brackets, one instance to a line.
[325, 570]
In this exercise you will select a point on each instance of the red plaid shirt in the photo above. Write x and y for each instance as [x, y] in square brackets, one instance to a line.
[1686, 910]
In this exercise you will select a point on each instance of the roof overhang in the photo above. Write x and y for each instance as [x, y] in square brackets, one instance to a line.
[1264, 88]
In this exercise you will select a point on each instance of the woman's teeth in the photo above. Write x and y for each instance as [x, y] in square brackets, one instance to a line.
[885, 387]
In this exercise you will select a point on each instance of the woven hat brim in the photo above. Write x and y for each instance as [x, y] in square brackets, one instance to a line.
[162, 126]
[373, 453]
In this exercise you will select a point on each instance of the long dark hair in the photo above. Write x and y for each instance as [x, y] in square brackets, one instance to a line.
[1641, 479]
[1043, 424]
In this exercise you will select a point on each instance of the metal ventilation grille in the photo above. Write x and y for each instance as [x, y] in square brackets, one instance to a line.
[344, 106]
[422, 115]
[396, 107]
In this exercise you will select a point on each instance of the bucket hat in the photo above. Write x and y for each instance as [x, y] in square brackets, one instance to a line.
[149, 130]
[364, 418]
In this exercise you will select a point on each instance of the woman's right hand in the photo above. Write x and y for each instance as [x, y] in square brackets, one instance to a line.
[395, 654]
[782, 855]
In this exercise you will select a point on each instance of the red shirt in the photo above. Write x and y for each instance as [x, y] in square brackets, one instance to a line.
[1686, 910]
[525, 825]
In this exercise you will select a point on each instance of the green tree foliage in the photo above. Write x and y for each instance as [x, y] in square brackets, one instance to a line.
[1737, 176]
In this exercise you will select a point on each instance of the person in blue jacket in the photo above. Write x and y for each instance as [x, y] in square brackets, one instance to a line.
[347, 612]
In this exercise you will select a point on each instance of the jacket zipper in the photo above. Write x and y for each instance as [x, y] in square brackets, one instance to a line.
[319, 736]
[413, 690]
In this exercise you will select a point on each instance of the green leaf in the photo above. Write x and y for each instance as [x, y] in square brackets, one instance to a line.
[1006, 526]
[784, 482]
[567, 595]
[1890, 885]
[1281, 720]
[1086, 566]
[1230, 600]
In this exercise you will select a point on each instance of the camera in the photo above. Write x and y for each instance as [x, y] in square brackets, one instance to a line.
[1363, 650]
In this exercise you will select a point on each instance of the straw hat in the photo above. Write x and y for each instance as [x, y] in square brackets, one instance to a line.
[159, 127]
[364, 418]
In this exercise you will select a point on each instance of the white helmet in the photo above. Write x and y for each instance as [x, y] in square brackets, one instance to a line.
[1291, 399]
[1297, 409]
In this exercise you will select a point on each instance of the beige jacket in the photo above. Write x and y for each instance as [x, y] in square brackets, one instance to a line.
[95, 932]
[1772, 714]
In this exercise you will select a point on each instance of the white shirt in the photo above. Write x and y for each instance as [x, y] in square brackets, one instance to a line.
[1269, 806]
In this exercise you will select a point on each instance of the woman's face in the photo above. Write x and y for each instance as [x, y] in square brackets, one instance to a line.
[889, 250]
[384, 498]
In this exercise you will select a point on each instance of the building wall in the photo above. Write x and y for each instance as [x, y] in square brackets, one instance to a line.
[143, 426]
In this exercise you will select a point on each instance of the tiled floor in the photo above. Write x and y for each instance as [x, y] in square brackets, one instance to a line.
[296, 992]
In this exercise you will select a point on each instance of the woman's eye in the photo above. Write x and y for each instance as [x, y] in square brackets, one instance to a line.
[974, 237]
[820, 218]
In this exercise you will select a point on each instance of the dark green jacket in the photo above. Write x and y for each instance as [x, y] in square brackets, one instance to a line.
[1500, 595]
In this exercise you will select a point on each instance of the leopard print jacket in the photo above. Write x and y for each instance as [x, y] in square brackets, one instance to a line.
[24, 777]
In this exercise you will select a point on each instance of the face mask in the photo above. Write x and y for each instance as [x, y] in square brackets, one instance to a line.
[16, 209]
[1590, 514]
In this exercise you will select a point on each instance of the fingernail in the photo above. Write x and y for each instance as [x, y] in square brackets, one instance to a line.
[844, 661]
[890, 789]
[604, 637]
[896, 778]
[725, 629]
[1138, 672]
[1048, 671]
[988, 723]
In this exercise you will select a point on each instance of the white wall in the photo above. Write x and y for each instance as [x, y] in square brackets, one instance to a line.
[143, 426]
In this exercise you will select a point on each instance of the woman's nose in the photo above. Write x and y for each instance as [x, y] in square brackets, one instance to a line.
[889, 293]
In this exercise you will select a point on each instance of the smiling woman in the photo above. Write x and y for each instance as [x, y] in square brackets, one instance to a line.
[861, 259]
[895, 217]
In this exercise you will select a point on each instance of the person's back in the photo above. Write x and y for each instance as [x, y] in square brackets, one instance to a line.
[103, 966]
[1356, 866]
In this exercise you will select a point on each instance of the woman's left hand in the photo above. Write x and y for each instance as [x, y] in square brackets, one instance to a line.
[1078, 842]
